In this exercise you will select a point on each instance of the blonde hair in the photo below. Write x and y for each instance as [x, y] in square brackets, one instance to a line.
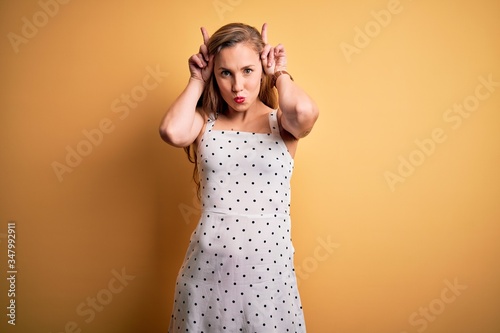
[211, 100]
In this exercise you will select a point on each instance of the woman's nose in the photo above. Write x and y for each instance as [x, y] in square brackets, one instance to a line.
[237, 84]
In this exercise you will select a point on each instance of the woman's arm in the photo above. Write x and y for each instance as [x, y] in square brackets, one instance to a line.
[299, 111]
[183, 122]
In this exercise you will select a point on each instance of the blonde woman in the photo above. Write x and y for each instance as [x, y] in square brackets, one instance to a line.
[240, 119]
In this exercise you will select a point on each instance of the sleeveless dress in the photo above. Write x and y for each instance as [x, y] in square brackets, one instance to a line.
[238, 273]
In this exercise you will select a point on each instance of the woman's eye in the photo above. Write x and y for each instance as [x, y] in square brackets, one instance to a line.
[225, 73]
[248, 71]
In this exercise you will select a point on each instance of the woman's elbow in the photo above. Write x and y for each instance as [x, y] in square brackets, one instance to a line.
[307, 107]
[173, 137]
[307, 114]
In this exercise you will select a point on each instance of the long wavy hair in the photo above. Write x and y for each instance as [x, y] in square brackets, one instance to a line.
[211, 100]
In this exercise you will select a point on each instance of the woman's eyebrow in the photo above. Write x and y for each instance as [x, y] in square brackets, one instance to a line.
[227, 69]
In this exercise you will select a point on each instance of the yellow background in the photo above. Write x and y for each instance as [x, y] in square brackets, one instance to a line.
[393, 249]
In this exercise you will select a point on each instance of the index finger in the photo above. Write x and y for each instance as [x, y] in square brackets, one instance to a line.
[206, 37]
[264, 33]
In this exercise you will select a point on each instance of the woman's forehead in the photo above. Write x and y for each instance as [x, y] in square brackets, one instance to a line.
[241, 54]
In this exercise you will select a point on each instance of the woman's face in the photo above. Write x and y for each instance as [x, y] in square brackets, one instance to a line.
[238, 71]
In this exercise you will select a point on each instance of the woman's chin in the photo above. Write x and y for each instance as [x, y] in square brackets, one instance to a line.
[239, 107]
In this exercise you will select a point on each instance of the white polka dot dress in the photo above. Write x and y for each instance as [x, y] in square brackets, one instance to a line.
[238, 273]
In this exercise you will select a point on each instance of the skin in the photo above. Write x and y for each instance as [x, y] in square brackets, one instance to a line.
[238, 71]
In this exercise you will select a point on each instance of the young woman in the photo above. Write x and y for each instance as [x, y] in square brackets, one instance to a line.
[238, 273]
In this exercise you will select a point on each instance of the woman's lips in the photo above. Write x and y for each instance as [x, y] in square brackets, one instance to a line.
[239, 100]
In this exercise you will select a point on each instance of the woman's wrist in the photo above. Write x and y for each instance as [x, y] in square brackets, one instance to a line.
[279, 74]
[196, 85]
[197, 80]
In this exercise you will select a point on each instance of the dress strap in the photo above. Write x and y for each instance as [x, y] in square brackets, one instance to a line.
[210, 122]
[273, 122]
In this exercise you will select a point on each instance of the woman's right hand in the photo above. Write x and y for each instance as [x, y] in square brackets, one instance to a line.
[201, 64]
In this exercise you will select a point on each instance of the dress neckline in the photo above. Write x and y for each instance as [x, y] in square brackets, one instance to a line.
[273, 126]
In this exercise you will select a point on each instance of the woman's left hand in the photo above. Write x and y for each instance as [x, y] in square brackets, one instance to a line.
[273, 58]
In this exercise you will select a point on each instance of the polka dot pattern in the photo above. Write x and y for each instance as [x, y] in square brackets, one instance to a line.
[238, 273]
